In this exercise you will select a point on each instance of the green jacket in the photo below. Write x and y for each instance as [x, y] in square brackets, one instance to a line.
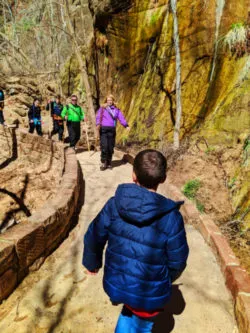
[74, 112]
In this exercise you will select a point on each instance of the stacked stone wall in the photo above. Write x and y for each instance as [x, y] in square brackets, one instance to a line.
[24, 246]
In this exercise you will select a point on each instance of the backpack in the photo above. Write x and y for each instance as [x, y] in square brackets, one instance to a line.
[56, 109]
[1, 95]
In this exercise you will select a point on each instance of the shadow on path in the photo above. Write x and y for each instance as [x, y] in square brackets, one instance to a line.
[117, 163]
[165, 321]
[18, 200]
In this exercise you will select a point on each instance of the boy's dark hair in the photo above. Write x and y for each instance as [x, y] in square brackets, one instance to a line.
[58, 96]
[150, 167]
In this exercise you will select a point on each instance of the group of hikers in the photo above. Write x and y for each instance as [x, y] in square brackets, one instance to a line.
[106, 120]
[72, 113]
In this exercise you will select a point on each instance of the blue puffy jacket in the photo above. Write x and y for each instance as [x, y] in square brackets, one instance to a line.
[147, 247]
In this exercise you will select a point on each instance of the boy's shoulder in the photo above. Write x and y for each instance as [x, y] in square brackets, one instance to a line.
[109, 205]
[172, 222]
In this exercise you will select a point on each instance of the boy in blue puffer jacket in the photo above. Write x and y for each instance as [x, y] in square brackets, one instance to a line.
[147, 247]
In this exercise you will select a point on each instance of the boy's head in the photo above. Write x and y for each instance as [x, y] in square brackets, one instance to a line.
[149, 169]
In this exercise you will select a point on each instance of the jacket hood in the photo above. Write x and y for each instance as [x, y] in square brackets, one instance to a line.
[139, 205]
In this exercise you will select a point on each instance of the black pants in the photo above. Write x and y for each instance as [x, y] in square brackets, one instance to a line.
[107, 141]
[1, 117]
[74, 128]
[38, 128]
[58, 128]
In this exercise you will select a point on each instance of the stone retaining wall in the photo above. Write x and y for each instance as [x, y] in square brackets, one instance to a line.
[236, 277]
[5, 143]
[25, 246]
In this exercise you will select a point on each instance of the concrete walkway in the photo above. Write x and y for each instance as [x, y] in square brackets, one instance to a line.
[60, 297]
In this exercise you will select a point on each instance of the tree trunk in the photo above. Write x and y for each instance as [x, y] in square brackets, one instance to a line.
[83, 68]
[178, 77]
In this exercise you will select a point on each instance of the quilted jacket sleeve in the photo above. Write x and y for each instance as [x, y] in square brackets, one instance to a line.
[95, 240]
[177, 247]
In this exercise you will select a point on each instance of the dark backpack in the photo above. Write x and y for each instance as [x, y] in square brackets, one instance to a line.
[1, 95]
[57, 110]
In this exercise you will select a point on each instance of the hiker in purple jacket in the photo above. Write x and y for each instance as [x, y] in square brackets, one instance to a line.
[106, 120]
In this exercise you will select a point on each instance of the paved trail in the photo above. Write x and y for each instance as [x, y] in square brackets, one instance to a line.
[62, 298]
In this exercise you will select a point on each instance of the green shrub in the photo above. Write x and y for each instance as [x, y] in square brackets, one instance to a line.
[190, 188]
[200, 206]
[246, 144]
[210, 149]
[124, 140]
[246, 152]
[236, 39]
[232, 182]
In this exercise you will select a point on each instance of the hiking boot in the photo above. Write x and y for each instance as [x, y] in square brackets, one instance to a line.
[109, 165]
[103, 166]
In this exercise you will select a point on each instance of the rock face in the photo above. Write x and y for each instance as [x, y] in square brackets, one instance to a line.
[135, 53]
[137, 63]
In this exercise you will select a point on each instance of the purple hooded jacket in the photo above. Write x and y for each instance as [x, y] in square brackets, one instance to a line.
[108, 119]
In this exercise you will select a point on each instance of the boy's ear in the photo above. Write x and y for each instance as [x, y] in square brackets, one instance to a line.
[134, 178]
[163, 179]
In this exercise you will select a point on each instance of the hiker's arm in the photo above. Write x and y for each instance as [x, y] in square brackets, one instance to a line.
[95, 240]
[40, 115]
[177, 247]
[82, 113]
[122, 119]
[64, 111]
[98, 115]
[30, 113]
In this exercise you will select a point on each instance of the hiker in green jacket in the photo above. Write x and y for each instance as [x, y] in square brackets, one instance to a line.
[74, 114]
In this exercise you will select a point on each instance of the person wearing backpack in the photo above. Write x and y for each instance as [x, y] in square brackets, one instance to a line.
[56, 108]
[1, 95]
[2, 121]
[106, 120]
[34, 115]
[75, 115]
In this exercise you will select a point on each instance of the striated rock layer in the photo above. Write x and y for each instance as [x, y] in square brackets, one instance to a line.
[135, 57]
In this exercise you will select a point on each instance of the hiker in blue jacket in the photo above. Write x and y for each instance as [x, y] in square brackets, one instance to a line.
[2, 121]
[146, 245]
[34, 115]
[56, 108]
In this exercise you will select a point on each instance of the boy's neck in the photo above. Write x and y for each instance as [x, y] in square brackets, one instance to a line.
[149, 189]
